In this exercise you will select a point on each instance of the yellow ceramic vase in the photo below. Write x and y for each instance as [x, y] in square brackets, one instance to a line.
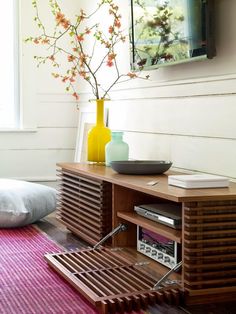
[98, 136]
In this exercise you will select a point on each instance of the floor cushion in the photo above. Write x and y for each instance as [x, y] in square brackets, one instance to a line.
[23, 203]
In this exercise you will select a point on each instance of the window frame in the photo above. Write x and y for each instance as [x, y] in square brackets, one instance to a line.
[16, 13]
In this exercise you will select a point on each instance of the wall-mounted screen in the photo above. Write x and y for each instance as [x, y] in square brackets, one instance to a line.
[164, 32]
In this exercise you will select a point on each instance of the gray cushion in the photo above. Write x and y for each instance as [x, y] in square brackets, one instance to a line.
[22, 203]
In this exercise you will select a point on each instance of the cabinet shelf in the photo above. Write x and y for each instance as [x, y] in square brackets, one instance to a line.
[170, 233]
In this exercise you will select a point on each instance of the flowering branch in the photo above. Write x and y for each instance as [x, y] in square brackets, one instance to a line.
[81, 62]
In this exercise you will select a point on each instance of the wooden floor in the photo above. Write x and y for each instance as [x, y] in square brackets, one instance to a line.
[56, 231]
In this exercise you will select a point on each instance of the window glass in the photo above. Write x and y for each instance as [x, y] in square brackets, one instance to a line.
[9, 100]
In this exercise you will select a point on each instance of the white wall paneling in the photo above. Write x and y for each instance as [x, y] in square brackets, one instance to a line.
[153, 88]
[33, 165]
[43, 139]
[195, 132]
[46, 108]
[184, 113]
[34, 155]
[207, 115]
[56, 110]
[210, 155]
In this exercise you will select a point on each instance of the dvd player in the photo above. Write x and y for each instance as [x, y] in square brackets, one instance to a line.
[167, 214]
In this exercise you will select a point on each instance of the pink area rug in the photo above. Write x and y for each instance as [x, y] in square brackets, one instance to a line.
[27, 284]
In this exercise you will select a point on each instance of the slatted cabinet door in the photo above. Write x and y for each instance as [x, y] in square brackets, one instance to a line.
[84, 206]
[110, 281]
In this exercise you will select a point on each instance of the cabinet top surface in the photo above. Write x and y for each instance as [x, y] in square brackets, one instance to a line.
[161, 189]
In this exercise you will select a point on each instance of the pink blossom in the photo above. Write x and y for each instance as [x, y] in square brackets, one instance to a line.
[75, 95]
[111, 29]
[110, 63]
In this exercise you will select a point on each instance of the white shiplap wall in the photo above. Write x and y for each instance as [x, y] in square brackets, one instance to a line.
[186, 113]
[33, 155]
[49, 116]
[192, 124]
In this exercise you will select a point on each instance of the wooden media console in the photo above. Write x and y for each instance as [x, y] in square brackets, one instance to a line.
[94, 199]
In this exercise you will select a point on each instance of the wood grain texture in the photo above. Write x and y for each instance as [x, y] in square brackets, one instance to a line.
[161, 190]
[85, 206]
[209, 248]
[153, 226]
[110, 282]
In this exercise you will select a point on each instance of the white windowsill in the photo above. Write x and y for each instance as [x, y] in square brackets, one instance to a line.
[30, 130]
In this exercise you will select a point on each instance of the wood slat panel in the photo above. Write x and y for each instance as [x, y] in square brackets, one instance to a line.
[84, 222]
[84, 205]
[209, 247]
[110, 281]
[81, 195]
[77, 189]
[74, 204]
[69, 174]
[73, 182]
[80, 230]
[70, 196]
[85, 215]
[89, 237]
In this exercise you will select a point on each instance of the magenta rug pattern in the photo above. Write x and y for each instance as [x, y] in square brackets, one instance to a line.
[27, 284]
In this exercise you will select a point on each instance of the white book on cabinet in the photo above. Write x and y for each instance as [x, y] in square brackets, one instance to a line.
[191, 181]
